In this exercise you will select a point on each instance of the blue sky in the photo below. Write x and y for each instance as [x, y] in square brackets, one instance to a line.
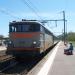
[47, 9]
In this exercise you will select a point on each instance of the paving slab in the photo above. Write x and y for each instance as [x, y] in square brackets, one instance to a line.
[63, 64]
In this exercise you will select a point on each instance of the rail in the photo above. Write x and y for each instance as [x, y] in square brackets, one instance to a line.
[5, 58]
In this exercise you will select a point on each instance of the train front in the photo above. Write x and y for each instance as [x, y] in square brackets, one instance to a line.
[24, 36]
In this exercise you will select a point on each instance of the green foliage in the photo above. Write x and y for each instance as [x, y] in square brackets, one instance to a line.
[71, 36]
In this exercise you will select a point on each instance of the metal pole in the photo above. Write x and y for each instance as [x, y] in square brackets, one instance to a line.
[64, 25]
[66, 31]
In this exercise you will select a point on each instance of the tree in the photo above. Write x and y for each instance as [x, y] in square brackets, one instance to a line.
[71, 36]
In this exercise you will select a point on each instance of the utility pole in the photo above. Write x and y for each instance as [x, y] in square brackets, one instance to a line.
[64, 20]
[64, 26]
[66, 31]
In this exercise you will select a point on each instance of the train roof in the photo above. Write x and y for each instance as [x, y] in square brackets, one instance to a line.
[25, 21]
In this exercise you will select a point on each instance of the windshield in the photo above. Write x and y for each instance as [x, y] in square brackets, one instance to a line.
[24, 28]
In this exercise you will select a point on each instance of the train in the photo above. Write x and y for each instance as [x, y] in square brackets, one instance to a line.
[28, 38]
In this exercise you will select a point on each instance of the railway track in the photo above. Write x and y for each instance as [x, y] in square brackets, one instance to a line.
[21, 68]
[6, 61]
[4, 58]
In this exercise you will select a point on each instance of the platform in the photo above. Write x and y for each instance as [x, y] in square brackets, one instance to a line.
[63, 64]
[2, 50]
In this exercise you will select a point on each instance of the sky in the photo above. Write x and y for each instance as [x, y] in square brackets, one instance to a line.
[11, 10]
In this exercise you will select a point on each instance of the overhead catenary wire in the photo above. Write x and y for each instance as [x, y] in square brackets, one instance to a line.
[29, 5]
[8, 13]
[33, 5]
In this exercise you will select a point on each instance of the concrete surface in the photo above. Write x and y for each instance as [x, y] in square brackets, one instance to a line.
[2, 50]
[63, 64]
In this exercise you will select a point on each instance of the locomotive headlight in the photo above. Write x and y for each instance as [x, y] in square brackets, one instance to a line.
[34, 42]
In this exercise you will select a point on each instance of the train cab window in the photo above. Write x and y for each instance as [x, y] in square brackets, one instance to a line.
[12, 29]
[24, 27]
[15, 28]
[34, 28]
[30, 28]
[18, 28]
